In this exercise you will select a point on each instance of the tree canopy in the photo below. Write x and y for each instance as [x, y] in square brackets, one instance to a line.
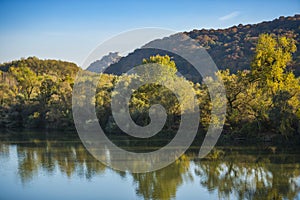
[263, 102]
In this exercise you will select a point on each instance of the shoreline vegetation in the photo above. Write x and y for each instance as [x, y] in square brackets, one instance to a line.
[263, 103]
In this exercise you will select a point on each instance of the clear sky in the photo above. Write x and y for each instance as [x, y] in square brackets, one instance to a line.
[69, 30]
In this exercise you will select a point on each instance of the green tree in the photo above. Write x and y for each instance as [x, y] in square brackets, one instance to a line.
[27, 80]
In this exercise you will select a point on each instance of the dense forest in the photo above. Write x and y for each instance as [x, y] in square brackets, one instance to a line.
[263, 102]
[36, 93]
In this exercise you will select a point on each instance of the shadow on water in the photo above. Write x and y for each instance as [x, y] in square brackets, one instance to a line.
[231, 172]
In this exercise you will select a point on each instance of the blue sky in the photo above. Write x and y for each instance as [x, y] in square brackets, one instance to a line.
[69, 30]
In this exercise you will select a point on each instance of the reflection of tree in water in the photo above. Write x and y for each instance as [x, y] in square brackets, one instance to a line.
[163, 184]
[71, 158]
[246, 177]
[4, 150]
[232, 174]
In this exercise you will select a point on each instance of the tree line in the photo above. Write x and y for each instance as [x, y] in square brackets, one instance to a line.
[263, 101]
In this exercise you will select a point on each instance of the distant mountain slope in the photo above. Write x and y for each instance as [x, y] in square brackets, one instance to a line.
[104, 62]
[135, 58]
[231, 48]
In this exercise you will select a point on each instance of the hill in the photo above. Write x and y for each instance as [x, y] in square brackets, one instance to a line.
[104, 62]
[231, 48]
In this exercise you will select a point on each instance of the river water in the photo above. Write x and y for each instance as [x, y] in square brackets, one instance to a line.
[41, 165]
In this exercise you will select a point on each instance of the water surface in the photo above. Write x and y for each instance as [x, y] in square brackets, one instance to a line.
[39, 165]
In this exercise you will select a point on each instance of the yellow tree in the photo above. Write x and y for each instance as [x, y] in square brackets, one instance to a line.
[272, 55]
[280, 87]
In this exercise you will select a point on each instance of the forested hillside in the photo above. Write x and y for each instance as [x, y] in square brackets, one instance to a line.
[231, 48]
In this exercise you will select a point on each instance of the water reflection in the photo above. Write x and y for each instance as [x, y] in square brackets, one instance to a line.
[232, 173]
[257, 180]
[69, 158]
[163, 184]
